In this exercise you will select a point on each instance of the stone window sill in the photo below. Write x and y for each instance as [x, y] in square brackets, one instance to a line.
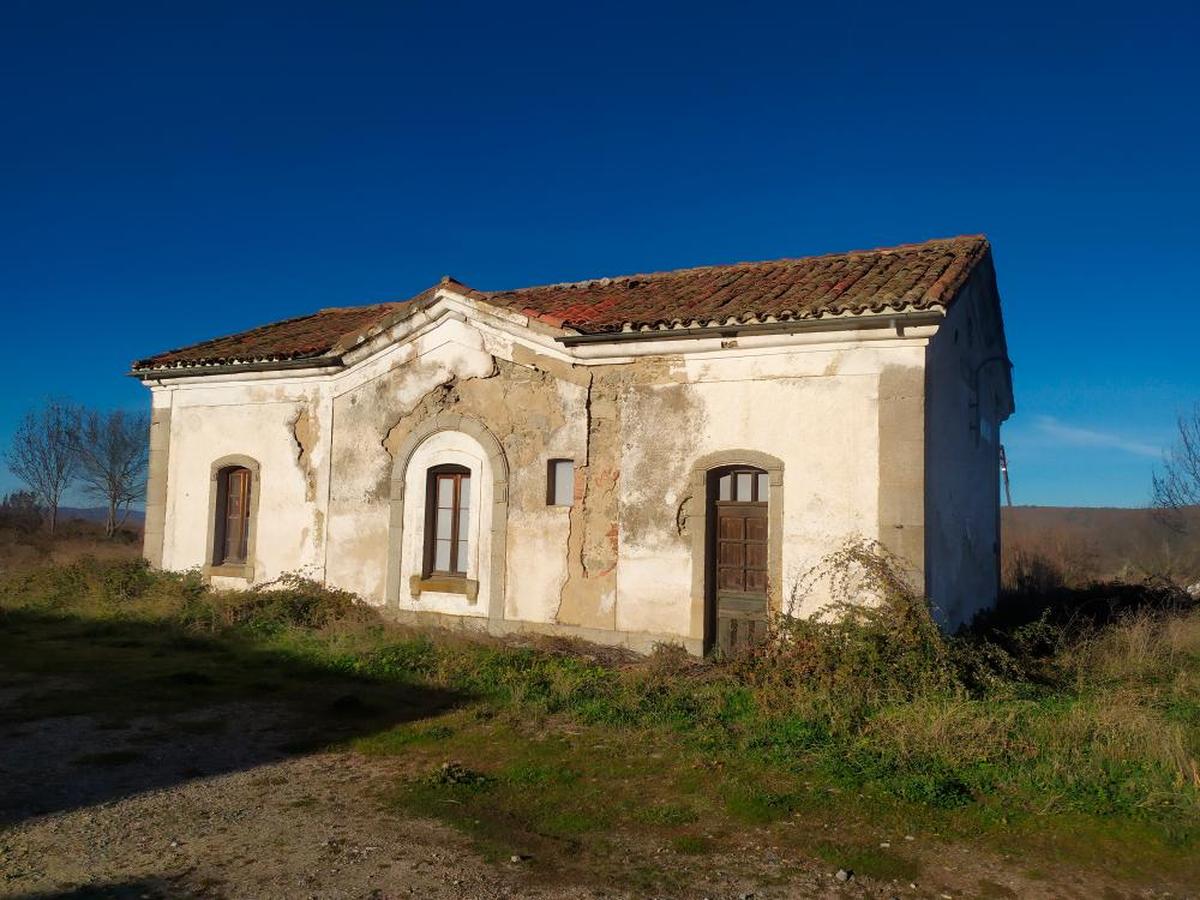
[230, 570]
[445, 584]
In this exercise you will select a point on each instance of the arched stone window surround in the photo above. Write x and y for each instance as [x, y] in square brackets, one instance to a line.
[238, 570]
[499, 465]
[698, 525]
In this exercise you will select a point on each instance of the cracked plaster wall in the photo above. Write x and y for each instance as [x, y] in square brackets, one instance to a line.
[619, 559]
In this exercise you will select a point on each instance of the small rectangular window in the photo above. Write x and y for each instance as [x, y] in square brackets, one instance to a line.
[560, 482]
[744, 483]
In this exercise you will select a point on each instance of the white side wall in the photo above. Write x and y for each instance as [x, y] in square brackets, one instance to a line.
[211, 421]
[962, 462]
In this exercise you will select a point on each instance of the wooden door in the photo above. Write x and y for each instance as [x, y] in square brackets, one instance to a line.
[740, 565]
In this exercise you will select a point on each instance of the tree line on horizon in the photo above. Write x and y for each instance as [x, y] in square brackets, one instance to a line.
[60, 445]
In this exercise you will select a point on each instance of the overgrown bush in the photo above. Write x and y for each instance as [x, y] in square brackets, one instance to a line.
[130, 588]
[874, 641]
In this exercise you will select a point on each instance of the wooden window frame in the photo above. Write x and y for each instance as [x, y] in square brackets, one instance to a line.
[760, 487]
[221, 555]
[428, 568]
[215, 562]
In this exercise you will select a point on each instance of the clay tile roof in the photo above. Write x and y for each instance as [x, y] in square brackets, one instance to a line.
[303, 337]
[911, 276]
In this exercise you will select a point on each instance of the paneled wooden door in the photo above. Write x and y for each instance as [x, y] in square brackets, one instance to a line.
[739, 568]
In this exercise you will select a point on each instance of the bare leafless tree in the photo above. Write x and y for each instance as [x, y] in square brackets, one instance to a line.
[42, 454]
[1177, 484]
[113, 453]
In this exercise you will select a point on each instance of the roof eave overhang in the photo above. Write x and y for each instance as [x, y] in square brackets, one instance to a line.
[266, 365]
[896, 320]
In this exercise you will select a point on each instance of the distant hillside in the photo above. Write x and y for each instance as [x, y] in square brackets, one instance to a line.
[98, 514]
[1100, 542]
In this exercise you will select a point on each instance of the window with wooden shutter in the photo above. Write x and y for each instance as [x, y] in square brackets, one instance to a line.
[232, 527]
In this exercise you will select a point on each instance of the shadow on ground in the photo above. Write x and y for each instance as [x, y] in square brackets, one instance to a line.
[91, 711]
[137, 889]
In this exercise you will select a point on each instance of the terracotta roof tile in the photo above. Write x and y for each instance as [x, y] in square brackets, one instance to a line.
[303, 337]
[916, 276]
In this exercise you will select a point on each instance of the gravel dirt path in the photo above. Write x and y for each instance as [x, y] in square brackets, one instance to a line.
[306, 827]
[175, 806]
[314, 827]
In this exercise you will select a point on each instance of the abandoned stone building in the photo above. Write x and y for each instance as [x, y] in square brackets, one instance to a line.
[630, 460]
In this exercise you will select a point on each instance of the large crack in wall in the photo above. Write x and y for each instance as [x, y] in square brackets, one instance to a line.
[588, 596]
[304, 432]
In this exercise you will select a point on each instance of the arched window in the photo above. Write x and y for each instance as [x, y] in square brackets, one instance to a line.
[447, 521]
[231, 528]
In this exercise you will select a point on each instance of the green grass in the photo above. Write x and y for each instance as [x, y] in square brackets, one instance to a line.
[1034, 738]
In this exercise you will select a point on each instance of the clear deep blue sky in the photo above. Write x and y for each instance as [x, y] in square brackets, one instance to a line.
[169, 172]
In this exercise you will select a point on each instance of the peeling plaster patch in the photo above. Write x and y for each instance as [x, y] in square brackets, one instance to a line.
[304, 432]
[523, 356]
[439, 398]
[521, 406]
[682, 513]
[592, 545]
[535, 416]
[608, 602]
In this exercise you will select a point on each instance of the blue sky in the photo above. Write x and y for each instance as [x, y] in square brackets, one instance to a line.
[169, 172]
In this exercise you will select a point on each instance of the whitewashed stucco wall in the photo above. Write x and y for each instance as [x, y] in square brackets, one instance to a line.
[211, 421]
[814, 410]
[327, 446]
